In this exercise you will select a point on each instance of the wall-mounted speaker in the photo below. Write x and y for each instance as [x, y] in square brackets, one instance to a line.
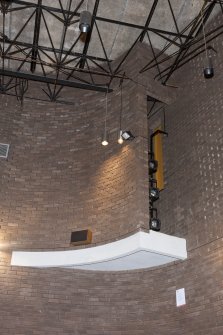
[81, 237]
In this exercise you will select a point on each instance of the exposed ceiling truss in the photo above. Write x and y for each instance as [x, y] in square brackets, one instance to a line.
[57, 65]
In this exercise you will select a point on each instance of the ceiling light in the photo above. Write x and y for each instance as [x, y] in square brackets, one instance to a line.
[85, 21]
[155, 224]
[127, 135]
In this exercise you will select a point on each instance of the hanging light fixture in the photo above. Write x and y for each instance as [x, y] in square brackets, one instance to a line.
[209, 69]
[123, 135]
[120, 139]
[85, 20]
[105, 138]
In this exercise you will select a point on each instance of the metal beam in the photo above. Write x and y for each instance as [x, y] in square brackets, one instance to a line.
[36, 36]
[49, 49]
[131, 25]
[42, 79]
[98, 18]
[155, 2]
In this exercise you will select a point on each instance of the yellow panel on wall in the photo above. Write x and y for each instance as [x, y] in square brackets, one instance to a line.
[158, 155]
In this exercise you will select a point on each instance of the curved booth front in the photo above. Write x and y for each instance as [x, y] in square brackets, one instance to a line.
[138, 251]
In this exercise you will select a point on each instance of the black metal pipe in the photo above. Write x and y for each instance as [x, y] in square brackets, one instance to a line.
[32, 77]
[36, 37]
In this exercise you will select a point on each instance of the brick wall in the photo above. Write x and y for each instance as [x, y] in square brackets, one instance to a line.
[59, 178]
[191, 204]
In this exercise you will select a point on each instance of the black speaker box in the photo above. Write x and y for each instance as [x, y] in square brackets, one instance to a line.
[81, 237]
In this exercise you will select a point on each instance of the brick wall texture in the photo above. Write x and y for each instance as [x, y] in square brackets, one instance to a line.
[59, 178]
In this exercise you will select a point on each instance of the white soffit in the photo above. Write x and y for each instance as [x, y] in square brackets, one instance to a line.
[141, 250]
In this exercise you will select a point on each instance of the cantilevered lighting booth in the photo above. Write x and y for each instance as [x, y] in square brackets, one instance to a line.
[138, 251]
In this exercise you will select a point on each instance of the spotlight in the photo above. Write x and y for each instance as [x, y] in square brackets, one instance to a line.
[155, 224]
[154, 193]
[127, 135]
[85, 21]
[153, 165]
[120, 139]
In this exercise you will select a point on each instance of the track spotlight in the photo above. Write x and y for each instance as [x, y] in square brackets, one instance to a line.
[153, 190]
[127, 135]
[155, 224]
[153, 165]
[154, 193]
[85, 21]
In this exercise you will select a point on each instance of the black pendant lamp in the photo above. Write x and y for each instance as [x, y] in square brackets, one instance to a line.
[208, 69]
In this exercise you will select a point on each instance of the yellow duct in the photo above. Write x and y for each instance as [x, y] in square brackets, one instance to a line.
[158, 155]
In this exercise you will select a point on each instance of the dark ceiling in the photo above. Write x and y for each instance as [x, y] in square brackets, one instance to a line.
[40, 41]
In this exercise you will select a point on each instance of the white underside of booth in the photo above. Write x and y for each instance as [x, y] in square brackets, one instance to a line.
[138, 251]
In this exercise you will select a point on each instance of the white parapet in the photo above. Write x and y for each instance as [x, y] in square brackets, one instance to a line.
[138, 251]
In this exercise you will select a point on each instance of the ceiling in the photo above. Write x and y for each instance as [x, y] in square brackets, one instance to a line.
[40, 40]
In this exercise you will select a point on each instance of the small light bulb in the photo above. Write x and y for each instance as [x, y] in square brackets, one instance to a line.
[120, 140]
[104, 142]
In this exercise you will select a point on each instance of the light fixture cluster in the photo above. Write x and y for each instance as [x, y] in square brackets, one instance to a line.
[123, 135]
[154, 192]
[155, 223]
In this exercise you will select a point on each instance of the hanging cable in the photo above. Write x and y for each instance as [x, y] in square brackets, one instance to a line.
[120, 139]
[105, 139]
[208, 70]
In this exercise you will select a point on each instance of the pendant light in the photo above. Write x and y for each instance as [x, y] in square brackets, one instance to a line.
[208, 70]
[123, 135]
[85, 21]
[105, 138]
[120, 139]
